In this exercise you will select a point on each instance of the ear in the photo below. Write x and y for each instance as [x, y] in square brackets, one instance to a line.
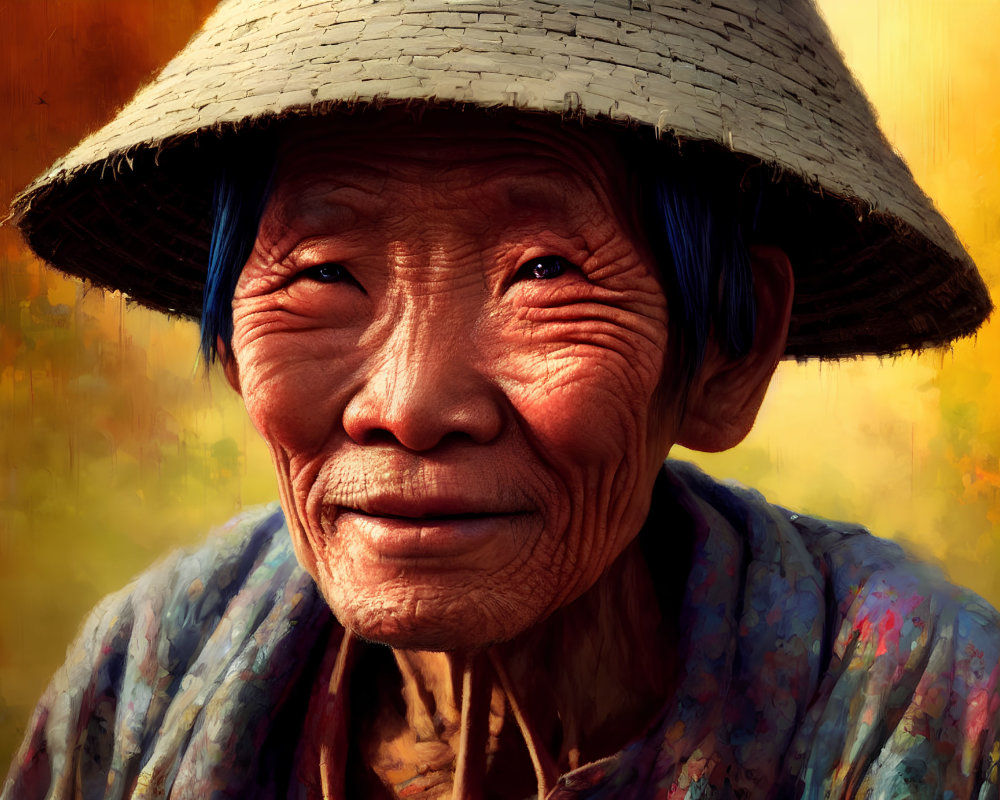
[229, 366]
[725, 395]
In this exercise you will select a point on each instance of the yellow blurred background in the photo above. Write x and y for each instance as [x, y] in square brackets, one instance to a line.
[115, 448]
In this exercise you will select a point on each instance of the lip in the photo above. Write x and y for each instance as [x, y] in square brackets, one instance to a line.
[422, 508]
[432, 531]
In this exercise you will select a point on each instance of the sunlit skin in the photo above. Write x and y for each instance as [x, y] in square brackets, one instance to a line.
[451, 345]
[451, 342]
[453, 337]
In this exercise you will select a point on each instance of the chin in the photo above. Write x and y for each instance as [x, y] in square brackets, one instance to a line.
[468, 623]
[440, 639]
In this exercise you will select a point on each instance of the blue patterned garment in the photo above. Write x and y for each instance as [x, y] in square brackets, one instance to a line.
[819, 662]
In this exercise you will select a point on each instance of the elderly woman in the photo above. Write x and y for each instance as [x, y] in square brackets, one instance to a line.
[474, 270]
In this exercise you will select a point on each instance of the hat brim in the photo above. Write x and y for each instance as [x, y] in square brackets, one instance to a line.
[878, 270]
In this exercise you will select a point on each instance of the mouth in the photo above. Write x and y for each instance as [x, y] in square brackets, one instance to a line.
[431, 508]
[421, 531]
[431, 517]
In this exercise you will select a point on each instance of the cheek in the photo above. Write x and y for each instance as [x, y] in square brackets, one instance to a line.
[294, 386]
[586, 408]
[592, 432]
[585, 397]
[581, 404]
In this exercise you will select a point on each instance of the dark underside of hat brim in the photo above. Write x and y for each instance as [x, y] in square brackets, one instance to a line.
[866, 283]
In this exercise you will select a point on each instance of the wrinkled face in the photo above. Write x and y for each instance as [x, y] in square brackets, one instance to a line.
[450, 336]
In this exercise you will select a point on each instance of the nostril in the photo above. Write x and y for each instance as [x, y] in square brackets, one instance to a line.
[418, 440]
[423, 406]
[377, 436]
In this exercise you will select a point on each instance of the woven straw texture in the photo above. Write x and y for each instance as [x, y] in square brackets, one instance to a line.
[878, 269]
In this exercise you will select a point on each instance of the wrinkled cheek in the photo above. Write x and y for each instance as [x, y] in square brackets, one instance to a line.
[590, 419]
[295, 406]
[582, 408]
[296, 440]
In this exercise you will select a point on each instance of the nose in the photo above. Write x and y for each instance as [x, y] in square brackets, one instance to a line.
[424, 386]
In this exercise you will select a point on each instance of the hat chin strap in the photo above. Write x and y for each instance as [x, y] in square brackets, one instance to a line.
[481, 672]
[546, 770]
[470, 765]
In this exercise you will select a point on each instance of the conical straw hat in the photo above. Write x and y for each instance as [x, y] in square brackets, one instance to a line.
[878, 270]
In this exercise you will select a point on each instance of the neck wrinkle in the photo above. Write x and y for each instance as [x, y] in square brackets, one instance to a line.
[595, 674]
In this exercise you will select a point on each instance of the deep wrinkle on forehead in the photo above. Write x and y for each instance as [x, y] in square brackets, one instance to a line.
[341, 194]
[329, 179]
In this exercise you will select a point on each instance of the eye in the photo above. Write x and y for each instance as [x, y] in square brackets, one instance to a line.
[327, 273]
[542, 269]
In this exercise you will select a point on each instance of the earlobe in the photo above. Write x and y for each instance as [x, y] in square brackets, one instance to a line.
[725, 395]
[229, 365]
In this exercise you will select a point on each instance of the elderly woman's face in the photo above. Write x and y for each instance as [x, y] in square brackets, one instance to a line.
[451, 336]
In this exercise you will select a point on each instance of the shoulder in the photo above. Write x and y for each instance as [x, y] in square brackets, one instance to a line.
[861, 573]
[910, 703]
[150, 656]
[178, 602]
[907, 688]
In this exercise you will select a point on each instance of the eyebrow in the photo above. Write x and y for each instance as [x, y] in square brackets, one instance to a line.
[539, 194]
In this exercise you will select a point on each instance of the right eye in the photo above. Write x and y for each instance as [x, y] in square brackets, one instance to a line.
[544, 268]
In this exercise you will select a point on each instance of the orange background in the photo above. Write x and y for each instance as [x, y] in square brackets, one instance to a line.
[114, 447]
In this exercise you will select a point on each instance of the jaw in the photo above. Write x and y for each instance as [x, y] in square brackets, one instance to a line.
[574, 681]
[427, 613]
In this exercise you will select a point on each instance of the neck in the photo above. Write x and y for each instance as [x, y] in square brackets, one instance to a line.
[573, 689]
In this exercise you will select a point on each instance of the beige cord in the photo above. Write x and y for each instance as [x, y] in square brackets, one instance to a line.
[470, 766]
[331, 772]
[546, 770]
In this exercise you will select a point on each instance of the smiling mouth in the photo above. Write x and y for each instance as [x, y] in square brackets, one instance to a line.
[419, 507]
[432, 517]
[429, 534]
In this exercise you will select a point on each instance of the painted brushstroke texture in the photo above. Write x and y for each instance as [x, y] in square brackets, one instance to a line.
[114, 448]
[805, 642]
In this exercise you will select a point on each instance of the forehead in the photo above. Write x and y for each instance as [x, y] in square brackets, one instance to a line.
[470, 161]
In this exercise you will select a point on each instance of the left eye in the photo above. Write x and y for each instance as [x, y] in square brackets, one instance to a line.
[327, 273]
[542, 269]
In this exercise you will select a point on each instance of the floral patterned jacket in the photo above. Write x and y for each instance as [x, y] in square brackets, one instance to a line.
[819, 662]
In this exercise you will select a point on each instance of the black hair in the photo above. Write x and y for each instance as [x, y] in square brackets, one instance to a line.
[237, 205]
[700, 221]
